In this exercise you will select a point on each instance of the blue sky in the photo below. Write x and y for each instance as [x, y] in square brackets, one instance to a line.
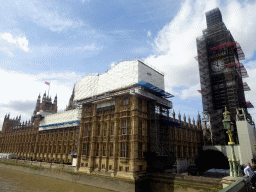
[61, 41]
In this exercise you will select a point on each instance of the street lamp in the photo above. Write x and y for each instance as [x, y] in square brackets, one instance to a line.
[234, 163]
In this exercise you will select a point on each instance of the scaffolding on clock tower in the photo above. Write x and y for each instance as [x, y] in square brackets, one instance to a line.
[224, 87]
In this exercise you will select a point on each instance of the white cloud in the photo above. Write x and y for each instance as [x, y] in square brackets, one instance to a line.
[190, 92]
[9, 43]
[149, 34]
[240, 19]
[112, 64]
[45, 14]
[175, 44]
[250, 95]
[28, 86]
[8, 37]
[56, 51]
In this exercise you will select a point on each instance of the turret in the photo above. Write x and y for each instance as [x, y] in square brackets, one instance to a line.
[198, 122]
[55, 106]
[173, 115]
[71, 104]
[37, 108]
[55, 100]
[179, 117]
[38, 98]
[189, 121]
[184, 120]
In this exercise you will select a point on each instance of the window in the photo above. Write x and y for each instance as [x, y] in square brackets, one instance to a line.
[157, 109]
[87, 130]
[99, 130]
[140, 168]
[126, 169]
[120, 168]
[140, 128]
[111, 149]
[125, 101]
[105, 129]
[85, 149]
[103, 166]
[124, 149]
[110, 167]
[104, 149]
[164, 111]
[125, 127]
[97, 149]
[140, 150]
[112, 128]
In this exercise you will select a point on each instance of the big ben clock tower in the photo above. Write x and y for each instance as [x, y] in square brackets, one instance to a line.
[221, 75]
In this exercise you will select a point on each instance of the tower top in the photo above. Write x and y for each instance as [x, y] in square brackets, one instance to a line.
[213, 17]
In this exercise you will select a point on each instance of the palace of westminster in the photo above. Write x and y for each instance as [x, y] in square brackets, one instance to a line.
[119, 122]
[107, 129]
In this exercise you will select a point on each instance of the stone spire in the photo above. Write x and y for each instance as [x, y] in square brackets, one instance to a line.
[184, 120]
[179, 117]
[55, 99]
[189, 121]
[173, 115]
[38, 103]
[71, 103]
[198, 122]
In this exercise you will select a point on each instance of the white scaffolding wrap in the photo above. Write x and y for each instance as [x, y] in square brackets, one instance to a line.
[122, 75]
[61, 120]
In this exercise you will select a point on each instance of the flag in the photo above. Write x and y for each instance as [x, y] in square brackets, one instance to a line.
[47, 83]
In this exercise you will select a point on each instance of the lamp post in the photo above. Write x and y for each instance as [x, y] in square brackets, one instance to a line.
[234, 163]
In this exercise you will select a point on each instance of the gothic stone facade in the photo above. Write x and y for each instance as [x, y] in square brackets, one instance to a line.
[112, 137]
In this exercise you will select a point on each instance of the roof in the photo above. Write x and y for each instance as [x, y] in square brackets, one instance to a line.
[61, 120]
[155, 89]
[122, 75]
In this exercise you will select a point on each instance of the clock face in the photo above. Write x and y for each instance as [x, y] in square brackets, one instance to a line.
[218, 65]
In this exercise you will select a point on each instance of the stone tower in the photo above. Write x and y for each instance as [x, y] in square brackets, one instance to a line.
[221, 74]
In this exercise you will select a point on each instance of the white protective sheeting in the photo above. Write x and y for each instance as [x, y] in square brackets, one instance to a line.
[105, 104]
[122, 75]
[60, 120]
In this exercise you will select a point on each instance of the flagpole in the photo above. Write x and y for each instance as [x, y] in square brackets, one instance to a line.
[48, 90]
[47, 83]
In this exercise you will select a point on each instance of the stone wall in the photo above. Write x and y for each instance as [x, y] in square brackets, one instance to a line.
[67, 172]
[151, 182]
